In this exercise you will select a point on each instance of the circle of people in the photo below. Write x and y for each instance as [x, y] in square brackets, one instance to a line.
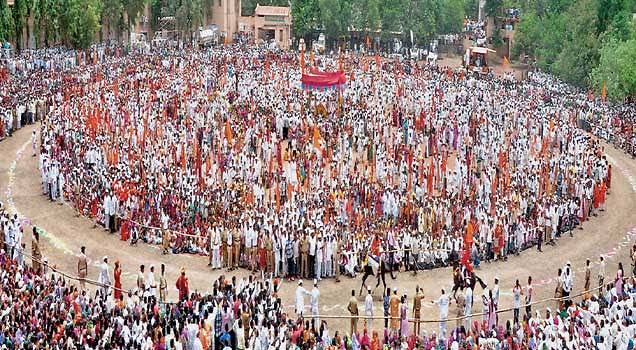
[223, 153]
[255, 172]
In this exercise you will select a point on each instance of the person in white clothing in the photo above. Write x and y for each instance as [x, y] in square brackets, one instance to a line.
[443, 303]
[300, 298]
[151, 283]
[104, 277]
[313, 302]
[468, 304]
[368, 308]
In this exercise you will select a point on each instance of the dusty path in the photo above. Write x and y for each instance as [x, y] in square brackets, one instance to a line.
[612, 233]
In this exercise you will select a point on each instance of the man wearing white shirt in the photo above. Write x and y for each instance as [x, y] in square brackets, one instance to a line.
[300, 298]
[368, 308]
[151, 283]
[601, 272]
[320, 255]
[104, 277]
[313, 301]
[443, 302]
[468, 303]
[216, 247]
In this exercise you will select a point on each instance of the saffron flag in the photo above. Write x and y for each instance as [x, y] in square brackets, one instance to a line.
[228, 132]
[604, 91]
[316, 137]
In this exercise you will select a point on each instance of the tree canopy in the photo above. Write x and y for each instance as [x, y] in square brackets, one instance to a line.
[584, 42]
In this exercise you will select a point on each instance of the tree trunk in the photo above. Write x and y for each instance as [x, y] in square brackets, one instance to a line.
[30, 26]
[126, 30]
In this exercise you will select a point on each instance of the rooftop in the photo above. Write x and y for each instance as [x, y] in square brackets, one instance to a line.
[271, 11]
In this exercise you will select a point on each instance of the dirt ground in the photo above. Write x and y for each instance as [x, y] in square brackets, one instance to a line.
[612, 234]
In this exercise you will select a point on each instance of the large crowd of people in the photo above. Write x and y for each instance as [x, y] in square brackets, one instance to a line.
[406, 162]
[41, 308]
[223, 153]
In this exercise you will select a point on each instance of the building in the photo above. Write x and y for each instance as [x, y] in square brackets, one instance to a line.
[269, 23]
[226, 15]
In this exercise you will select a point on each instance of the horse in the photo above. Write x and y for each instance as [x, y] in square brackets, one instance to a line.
[465, 279]
[377, 269]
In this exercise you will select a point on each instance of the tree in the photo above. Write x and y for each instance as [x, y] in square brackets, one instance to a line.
[579, 54]
[420, 17]
[189, 16]
[336, 17]
[20, 10]
[391, 12]
[451, 16]
[112, 17]
[306, 14]
[6, 22]
[47, 14]
[607, 10]
[248, 6]
[132, 9]
[79, 22]
[493, 7]
[616, 69]
[365, 14]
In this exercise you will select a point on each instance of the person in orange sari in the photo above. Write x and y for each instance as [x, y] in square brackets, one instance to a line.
[375, 341]
[117, 275]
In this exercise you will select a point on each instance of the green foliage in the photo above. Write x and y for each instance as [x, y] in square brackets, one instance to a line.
[617, 69]
[423, 20]
[365, 14]
[451, 15]
[47, 14]
[336, 17]
[607, 10]
[6, 22]
[80, 22]
[20, 10]
[584, 42]
[493, 7]
[306, 14]
[113, 16]
[189, 15]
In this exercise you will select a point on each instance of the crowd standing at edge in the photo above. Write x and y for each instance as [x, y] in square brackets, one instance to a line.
[43, 309]
[253, 171]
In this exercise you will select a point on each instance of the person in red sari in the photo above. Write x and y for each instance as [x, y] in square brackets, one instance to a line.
[609, 178]
[125, 230]
[117, 275]
[183, 286]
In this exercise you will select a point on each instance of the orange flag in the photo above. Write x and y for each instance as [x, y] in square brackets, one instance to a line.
[302, 61]
[604, 91]
[183, 159]
[317, 137]
[228, 132]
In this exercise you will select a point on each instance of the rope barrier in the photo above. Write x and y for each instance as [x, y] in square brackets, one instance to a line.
[46, 264]
[53, 268]
[460, 318]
